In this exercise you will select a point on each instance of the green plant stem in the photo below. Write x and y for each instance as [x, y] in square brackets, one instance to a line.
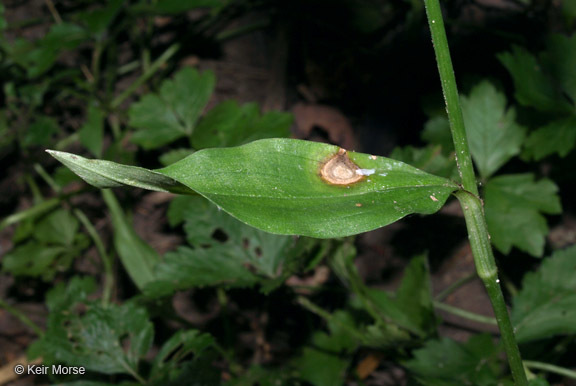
[145, 76]
[106, 260]
[47, 178]
[464, 314]
[22, 317]
[469, 197]
[551, 368]
[488, 273]
[34, 211]
[448, 80]
[454, 286]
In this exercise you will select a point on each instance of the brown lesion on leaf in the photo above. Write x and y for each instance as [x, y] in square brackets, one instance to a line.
[340, 170]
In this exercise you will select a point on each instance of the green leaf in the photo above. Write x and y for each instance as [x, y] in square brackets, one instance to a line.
[98, 20]
[513, 205]
[546, 305]
[137, 257]
[323, 362]
[40, 132]
[493, 134]
[92, 132]
[274, 185]
[64, 296]
[446, 362]
[229, 124]
[32, 259]
[187, 268]
[261, 250]
[167, 363]
[412, 306]
[38, 57]
[109, 340]
[105, 174]
[437, 132]
[560, 60]
[534, 87]
[430, 159]
[174, 156]
[173, 112]
[59, 227]
[558, 136]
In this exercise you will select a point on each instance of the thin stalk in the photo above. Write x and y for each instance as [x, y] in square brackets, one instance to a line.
[145, 76]
[551, 368]
[34, 211]
[464, 314]
[106, 260]
[451, 97]
[47, 178]
[469, 197]
[454, 286]
[488, 273]
[22, 317]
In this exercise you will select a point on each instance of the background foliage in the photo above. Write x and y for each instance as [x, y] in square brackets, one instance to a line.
[143, 287]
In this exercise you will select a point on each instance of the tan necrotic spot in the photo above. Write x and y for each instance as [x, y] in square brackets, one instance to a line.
[340, 170]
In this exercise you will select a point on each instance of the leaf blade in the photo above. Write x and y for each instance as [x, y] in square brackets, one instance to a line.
[274, 185]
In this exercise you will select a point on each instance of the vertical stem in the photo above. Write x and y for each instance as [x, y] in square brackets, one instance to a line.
[488, 273]
[469, 197]
[106, 259]
[444, 62]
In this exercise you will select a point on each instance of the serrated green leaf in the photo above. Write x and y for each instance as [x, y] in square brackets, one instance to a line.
[274, 185]
[412, 307]
[493, 134]
[137, 257]
[261, 250]
[513, 205]
[59, 228]
[437, 132]
[167, 363]
[241, 250]
[229, 124]
[533, 86]
[106, 174]
[63, 296]
[92, 132]
[110, 340]
[173, 112]
[446, 362]
[556, 137]
[323, 363]
[187, 268]
[546, 305]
